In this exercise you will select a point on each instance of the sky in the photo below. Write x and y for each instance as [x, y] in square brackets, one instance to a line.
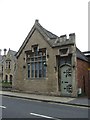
[17, 17]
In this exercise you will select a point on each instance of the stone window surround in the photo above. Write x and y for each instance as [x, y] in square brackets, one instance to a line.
[34, 61]
[8, 64]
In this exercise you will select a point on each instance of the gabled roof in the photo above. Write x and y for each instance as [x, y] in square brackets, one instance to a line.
[10, 52]
[51, 40]
[49, 37]
[13, 52]
[80, 55]
[48, 33]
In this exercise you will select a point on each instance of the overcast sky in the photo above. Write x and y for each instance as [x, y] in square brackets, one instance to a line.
[58, 16]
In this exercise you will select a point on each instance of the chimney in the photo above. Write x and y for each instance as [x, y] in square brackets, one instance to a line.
[0, 51]
[72, 36]
[5, 51]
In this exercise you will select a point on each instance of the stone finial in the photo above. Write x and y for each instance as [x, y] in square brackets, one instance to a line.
[72, 36]
[36, 21]
[5, 51]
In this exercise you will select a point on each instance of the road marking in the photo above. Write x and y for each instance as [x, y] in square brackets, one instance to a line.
[39, 115]
[2, 107]
[44, 116]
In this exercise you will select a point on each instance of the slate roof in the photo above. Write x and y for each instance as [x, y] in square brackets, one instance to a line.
[48, 33]
[50, 38]
[13, 52]
[80, 55]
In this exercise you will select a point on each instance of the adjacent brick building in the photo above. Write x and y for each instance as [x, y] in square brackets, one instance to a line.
[82, 72]
[48, 64]
[87, 54]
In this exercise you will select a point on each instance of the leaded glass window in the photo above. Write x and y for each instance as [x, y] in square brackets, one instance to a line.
[36, 63]
[28, 70]
[8, 64]
[32, 69]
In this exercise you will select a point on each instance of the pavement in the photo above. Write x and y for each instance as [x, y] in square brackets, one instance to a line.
[80, 101]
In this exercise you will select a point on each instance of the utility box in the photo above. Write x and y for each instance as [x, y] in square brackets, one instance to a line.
[79, 91]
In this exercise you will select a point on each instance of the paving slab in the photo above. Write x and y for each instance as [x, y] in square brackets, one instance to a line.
[64, 100]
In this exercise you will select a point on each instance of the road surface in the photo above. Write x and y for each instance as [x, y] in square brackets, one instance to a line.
[22, 108]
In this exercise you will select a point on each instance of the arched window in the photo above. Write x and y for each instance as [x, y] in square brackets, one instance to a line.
[11, 79]
[6, 78]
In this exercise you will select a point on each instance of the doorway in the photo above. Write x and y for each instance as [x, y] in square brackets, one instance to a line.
[66, 80]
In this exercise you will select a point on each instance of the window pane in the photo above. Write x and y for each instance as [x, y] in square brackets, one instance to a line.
[40, 65]
[44, 69]
[9, 65]
[44, 51]
[36, 59]
[28, 66]
[36, 51]
[40, 69]
[32, 54]
[32, 69]
[40, 73]
[32, 59]
[6, 64]
[32, 66]
[36, 70]
[44, 58]
[40, 58]
[32, 73]
[28, 70]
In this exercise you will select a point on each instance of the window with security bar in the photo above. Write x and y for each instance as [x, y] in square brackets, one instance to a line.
[36, 63]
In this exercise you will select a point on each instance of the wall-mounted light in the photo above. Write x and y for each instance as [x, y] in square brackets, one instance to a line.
[45, 64]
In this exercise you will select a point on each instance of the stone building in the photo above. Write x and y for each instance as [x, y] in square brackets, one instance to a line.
[48, 64]
[9, 63]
